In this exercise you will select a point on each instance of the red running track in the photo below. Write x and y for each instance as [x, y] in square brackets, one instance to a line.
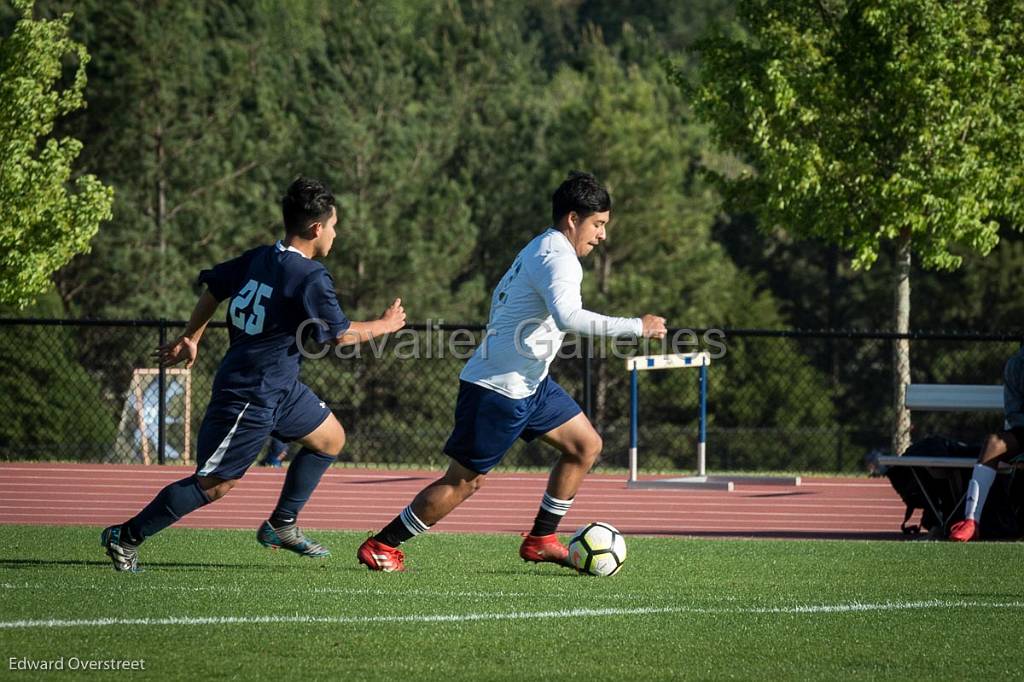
[366, 499]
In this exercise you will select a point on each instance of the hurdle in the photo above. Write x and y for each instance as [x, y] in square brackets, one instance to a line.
[702, 480]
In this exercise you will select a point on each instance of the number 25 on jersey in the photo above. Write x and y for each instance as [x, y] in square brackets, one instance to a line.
[252, 294]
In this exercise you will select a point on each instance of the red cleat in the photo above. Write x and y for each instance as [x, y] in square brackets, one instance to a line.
[377, 556]
[538, 548]
[964, 531]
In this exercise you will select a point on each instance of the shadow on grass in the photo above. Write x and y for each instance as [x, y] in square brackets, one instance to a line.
[555, 572]
[35, 563]
[776, 534]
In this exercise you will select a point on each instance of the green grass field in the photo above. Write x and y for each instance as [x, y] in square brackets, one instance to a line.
[215, 604]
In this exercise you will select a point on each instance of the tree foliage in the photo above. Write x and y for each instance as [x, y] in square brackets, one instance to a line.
[49, 216]
[868, 123]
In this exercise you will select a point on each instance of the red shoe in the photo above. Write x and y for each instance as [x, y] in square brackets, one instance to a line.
[538, 548]
[377, 556]
[964, 531]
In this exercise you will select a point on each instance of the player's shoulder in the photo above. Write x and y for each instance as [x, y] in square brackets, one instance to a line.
[296, 264]
[551, 251]
[548, 244]
[310, 274]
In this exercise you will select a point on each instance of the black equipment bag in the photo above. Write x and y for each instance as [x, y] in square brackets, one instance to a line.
[945, 487]
[1003, 514]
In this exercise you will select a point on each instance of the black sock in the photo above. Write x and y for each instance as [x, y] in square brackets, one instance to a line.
[546, 523]
[394, 534]
[552, 510]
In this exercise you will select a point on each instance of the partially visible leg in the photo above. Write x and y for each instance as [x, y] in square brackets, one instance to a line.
[170, 504]
[319, 451]
[277, 450]
[433, 503]
[229, 439]
[998, 448]
[580, 446]
[320, 448]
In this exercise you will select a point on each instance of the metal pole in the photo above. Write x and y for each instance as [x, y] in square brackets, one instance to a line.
[703, 435]
[588, 401]
[634, 417]
[162, 397]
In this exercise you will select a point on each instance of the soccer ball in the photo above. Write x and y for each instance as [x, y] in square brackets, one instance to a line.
[598, 549]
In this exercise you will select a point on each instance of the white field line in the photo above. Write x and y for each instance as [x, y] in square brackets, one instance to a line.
[854, 607]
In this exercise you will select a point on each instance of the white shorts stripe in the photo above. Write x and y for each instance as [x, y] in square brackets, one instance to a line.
[218, 454]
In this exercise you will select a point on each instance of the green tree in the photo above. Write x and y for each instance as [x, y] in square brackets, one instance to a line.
[618, 120]
[198, 145]
[48, 218]
[895, 123]
[381, 123]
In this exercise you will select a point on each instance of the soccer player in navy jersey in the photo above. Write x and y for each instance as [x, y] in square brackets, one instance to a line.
[505, 392]
[280, 296]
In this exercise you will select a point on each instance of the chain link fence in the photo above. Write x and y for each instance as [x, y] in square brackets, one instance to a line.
[89, 391]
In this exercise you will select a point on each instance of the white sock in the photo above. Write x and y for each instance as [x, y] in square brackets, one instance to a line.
[554, 505]
[412, 522]
[977, 491]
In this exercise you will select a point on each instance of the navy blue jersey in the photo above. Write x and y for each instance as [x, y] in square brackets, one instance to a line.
[273, 292]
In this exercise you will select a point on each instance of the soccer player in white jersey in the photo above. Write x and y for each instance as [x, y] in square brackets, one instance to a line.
[505, 392]
[1004, 446]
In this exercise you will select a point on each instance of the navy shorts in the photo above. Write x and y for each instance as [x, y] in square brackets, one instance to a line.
[234, 432]
[488, 423]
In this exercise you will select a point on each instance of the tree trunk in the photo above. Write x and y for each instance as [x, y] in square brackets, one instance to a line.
[832, 359]
[161, 207]
[604, 274]
[901, 347]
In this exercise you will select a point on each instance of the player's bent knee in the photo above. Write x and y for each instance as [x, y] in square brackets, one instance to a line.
[339, 442]
[466, 487]
[216, 488]
[588, 450]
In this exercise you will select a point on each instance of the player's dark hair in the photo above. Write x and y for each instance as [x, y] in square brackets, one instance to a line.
[582, 193]
[307, 201]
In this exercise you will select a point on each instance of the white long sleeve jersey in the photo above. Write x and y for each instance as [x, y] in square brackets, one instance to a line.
[536, 302]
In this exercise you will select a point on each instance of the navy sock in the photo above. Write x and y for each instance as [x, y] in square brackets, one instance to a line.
[304, 473]
[170, 504]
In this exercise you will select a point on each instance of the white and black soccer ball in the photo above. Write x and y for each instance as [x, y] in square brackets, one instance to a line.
[598, 549]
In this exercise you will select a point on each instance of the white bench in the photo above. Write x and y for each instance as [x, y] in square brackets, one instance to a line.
[945, 398]
[953, 398]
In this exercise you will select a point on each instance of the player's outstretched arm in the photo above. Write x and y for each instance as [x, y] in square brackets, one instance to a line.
[654, 326]
[186, 346]
[559, 281]
[391, 321]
